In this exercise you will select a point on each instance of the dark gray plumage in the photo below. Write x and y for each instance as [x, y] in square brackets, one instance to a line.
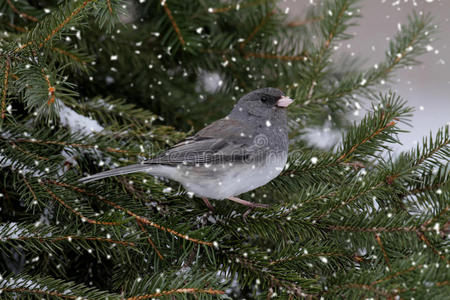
[233, 155]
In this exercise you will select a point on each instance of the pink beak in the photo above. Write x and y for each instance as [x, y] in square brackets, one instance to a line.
[284, 101]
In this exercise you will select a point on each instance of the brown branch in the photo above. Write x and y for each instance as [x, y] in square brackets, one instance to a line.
[150, 223]
[230, 7]
[51, 89]
[83, 218]
[257, 28]
[430, 245]
[150, 240]
[354, 147]
[66, 53]
[14, 145]
[363, 287]
[386, 258]
[397, 274]
[442, 283]
[304, 22]
[332, 33]
[40, 292]
[179, 291]
[109, 6]
[5, 88]
[434, 218]
[373, 229]
[58, 28]
[21, 14]
[18, 28]
[29, 187]
[305, 255]
[138, 218]
[174, 24]
[70, 237]
[274, 56]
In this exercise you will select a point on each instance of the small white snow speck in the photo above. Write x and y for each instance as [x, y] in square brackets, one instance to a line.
[429, 48]
[167, 190]
[268, 124]
[323, 259]
[314, 160]
[389, 215]
[216, 244]
[439, 191]
[436, 227]
[114, 57]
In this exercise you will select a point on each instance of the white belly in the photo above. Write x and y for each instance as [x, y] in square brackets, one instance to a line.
[231, 180]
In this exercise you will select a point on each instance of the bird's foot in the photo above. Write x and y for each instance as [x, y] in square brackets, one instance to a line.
[247, 203]
[211, 208]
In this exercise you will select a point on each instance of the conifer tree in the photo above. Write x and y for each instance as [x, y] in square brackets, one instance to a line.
[89, 85]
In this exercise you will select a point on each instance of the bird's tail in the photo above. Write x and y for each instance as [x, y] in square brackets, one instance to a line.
[118, 171]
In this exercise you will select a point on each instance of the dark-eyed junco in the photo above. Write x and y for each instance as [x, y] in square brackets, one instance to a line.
[236, 154]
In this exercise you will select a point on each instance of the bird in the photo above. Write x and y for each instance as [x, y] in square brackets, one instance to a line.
[238, 153]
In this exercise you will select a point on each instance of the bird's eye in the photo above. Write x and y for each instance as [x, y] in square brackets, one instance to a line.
[264, 98]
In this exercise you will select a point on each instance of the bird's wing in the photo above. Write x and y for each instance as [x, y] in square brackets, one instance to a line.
[225, 140]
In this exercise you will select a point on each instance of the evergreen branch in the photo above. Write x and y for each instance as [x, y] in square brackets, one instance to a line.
[68, 54]
[286, 259]
[386, 258]
[83, 218]
[237, 7]
[150, 240]
[178, 291]
[365, 140]
[351, 199]
[5, 87]
[174, 24]
[407, 44]
[50, 287]
[152, 224]
[291, 287]
[334, 28]
[21, 14]
[75, 145]
[138, 218]
[39, 292]
[57, 29]
[441, 145]
[256, 29]
[377, 126]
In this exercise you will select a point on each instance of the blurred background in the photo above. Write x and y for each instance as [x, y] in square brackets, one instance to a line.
[426, 87]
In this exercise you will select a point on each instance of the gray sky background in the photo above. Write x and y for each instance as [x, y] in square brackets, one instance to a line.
[427, 86]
